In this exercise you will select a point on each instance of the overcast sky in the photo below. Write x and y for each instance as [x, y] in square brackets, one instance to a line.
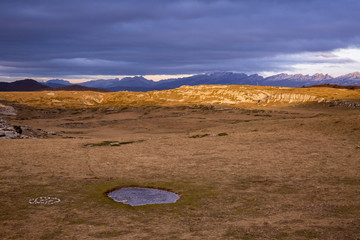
[105, 38]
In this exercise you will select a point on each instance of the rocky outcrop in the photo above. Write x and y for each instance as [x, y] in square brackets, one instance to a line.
[12, 132]
[227, 95]
[7, 110]
[290, 98]
[343, 103]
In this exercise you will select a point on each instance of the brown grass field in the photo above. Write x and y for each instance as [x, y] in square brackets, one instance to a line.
[283, 170]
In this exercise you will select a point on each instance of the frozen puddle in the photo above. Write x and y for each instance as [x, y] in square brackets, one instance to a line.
[136, 196]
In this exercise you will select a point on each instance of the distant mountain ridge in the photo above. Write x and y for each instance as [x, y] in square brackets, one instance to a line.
[298, 80]
[220, 78]
[54, 83]
[79, 88]
[23, 85]
[141, 84]
[137, 83]
[27, 85]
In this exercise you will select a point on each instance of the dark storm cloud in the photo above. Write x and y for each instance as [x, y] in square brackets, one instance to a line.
[69, 37]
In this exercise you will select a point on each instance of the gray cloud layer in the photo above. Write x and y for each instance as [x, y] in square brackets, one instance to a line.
[128, 37]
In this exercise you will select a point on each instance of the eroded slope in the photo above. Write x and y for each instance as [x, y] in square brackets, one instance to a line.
[207, 94]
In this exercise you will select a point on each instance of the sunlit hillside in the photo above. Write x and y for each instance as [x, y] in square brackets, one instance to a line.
[233, 95]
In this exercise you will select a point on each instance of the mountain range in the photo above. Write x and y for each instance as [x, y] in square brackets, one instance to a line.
[141, 84]
[32, 85]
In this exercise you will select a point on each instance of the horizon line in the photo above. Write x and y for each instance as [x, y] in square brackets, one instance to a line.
[155, 77]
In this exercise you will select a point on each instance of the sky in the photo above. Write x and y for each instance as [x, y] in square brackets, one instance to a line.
[100, 39]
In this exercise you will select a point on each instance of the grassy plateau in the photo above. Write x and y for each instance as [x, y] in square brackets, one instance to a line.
[248, 162]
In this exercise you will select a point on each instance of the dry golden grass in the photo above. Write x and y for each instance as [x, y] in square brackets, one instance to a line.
[279, 173]
[242, 96]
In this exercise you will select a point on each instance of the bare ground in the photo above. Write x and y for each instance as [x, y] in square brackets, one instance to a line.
[284, 173]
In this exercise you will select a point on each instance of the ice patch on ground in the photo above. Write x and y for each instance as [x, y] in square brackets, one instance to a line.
[136, 196]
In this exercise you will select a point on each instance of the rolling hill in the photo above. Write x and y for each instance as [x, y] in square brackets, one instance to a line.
[79, 88]
[231, 95]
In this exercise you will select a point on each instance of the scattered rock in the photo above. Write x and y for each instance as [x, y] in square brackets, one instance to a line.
[343, 103]
[222, 134]
[115, 144]
[200, 135]
[209, 135]
[111, 143]
[223, 109]
[11, 134]
[3, 123]
[17, 129]
[44, 200]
